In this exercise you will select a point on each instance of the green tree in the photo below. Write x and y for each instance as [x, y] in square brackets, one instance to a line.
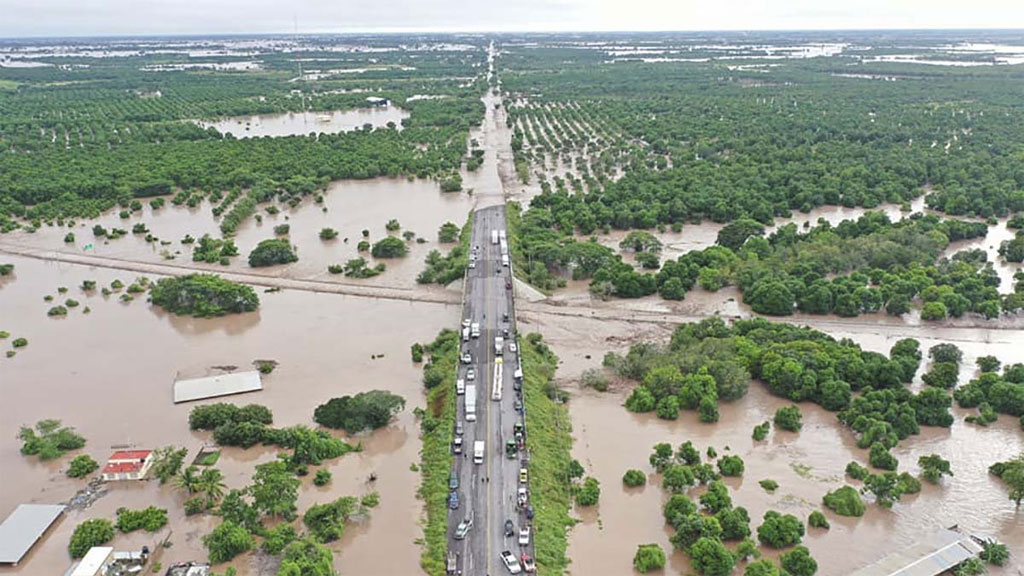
[789, 418]
[933, 467]
[272, 252]
[49, 440]
[818, 520]
[389, 247]
[730, 466]
[589, 493]
[95, 532]
[364, 411]
[780, 531]
[81, 466]
[884, 486]
[634, 478]
[211, 484]
[711, 558]
[306, 557]
[275, 490]
[189, 480]
[677, 478]
[844, 501]
[203, 295]
[761, 568]
[648, 557]
[798, 562]
[227, 541]
[448, 233]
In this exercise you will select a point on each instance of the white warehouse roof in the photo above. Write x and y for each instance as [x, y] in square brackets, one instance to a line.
[933, 555]
[92, 561]
[213, 386]
[23, 528]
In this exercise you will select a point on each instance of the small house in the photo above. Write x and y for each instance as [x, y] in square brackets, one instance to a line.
[128, 465]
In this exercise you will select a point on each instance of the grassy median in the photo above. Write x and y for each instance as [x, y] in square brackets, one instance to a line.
[549, 441]
[437, 432]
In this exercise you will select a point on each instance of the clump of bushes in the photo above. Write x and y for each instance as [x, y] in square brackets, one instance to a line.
[589, 492]
[149, 519]
[389, 247]
[272, 252]
[203, 295]
[365, 410]
[49, 440]
[648, 557]
[211, 416]
[634, 478]
[789, 418]
[844, 501]
[81, 466]
[95, 532]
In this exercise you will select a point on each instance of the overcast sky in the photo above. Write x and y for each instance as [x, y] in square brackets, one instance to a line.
[19, 18]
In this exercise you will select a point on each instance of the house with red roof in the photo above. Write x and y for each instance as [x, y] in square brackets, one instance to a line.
[128, 465]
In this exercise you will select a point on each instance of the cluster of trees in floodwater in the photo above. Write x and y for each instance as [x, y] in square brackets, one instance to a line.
[96, 132]
[856, 267]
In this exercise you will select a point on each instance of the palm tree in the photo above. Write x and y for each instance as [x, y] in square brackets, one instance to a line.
[189, 480]
[211, 482]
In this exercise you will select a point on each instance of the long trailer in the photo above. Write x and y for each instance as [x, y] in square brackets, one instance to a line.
[471, 403]
[497, 383]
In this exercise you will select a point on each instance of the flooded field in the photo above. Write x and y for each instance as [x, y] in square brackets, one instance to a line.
[351, 206]
[608, 440]
[113, 369]
[304, 123]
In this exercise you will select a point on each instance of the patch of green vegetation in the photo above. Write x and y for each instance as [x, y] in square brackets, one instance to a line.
[203, 295]
[49, 439]
[445, 269]
[549, 441]
[209, 459]
[437, 433]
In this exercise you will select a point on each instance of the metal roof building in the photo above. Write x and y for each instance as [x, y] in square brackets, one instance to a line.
[942, 551]
[213, 386]
[94, 561]
[23, 528]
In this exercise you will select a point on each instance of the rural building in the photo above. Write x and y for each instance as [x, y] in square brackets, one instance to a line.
[94, 563]
[936, 554]
[23, 528]
[128, 465]
[214, 386]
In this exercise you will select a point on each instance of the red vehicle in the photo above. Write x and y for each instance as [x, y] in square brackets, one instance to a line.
[508, 284]
[528, 564]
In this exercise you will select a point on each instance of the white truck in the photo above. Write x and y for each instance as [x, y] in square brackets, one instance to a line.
[465, 334]
[504, 260]
[478, 452]
[499, 345]
[474, 330]
[460, 386]
[494, 236]
[471, 403]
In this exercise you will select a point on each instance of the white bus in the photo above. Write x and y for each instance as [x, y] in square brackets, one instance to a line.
[496, 384]
[471, 403]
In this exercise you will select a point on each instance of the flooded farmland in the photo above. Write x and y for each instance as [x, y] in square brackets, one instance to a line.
[609, 440]
[304, 123]
[349, 207]
[113, 370]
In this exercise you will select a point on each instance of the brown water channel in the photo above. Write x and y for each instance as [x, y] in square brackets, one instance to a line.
[304, 123]
[609, 440]
[109, 374]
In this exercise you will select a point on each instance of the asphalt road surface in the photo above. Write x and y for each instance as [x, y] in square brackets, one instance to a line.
[488, 492]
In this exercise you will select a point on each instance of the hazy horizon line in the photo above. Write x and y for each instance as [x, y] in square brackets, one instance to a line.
[455, 31]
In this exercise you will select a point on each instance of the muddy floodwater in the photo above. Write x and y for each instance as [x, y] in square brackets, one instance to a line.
[303, 123]
[351, 206]
[109, 374]
[609, 440]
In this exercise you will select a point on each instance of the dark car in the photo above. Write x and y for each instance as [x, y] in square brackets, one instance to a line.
[508, 284]
[453, 500]
[529, 512]
[510, 529]
[518, 405]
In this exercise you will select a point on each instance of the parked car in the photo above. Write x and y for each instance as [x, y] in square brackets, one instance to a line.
[524, 536]
[453, 500]
[463, 528]
[472, 264]
[457, 445]
[504, 316]
[453, 481]
[512, 347]
[508, 284]
[510, 528]
[467, 358]
[511, 562]
[522, 475]
[466, 322]
[518, 405]
[459, 430]
[521, 496]
[471, 374]
[529, 565]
